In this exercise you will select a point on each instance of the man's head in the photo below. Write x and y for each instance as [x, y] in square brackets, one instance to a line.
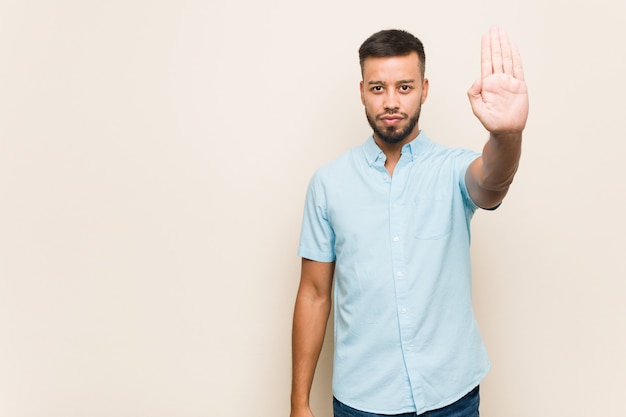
[393, 88]
[392, 42]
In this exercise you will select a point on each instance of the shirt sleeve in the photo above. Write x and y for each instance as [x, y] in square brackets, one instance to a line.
[317, 238]
[463, 161]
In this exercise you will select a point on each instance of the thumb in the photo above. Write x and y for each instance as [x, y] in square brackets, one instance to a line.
[475, 97]
[475, 90]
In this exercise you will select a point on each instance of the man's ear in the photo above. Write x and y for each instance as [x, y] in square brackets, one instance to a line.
[362, 93]
[425, 85]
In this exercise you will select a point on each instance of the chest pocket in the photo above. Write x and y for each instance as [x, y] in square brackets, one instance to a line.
[431, 216]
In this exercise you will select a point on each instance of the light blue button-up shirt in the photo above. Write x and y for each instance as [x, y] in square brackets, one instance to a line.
[406, 339]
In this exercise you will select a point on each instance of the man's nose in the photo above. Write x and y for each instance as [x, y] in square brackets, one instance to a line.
[391, 101]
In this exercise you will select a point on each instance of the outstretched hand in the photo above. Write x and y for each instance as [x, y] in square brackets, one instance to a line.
[499, 98]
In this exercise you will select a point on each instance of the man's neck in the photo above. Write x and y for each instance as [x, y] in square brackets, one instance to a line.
[393, 151]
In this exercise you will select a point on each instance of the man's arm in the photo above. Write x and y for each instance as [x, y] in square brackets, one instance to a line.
[310, 317]
[499, 100]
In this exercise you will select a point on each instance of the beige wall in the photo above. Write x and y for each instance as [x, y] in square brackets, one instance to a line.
[153, 162]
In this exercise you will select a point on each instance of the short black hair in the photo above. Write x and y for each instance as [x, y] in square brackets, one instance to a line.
[392, 42]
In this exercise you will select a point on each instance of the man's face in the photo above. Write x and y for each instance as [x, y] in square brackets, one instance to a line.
[393, 92]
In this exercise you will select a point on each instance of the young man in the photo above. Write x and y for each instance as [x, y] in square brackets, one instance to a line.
[388, 224]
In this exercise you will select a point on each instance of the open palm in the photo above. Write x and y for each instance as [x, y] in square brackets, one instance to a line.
[499, 98]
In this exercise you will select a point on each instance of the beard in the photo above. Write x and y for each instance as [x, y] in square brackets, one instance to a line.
[393, 134]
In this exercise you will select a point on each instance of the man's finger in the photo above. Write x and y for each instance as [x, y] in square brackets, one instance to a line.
[496, 50]
[518, 70]
[507, 60]
[486, 67]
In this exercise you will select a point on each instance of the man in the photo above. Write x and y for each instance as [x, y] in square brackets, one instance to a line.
[388, 224]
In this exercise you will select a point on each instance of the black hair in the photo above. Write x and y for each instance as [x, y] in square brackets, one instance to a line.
[392, 42]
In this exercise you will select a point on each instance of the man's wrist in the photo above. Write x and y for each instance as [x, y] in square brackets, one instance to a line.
[299, 402]
[300, 410]
[506, 136]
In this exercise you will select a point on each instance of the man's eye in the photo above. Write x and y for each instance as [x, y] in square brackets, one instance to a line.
[377, 88]
[405, 87]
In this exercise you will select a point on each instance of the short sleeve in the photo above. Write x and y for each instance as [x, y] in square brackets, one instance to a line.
[463, 161]
[317, 238]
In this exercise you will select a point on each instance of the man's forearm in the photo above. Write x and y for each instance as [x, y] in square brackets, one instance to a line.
[489, 177]
[309, 327]
[501, 155]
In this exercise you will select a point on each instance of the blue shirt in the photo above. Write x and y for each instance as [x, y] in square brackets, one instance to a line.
[406, 339]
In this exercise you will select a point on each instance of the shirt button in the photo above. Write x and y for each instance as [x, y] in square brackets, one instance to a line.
[403, 310]
[400, 274]
[396, 239]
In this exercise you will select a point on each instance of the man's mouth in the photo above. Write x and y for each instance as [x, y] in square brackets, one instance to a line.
[391, 120]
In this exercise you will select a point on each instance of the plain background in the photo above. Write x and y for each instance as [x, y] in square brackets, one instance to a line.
[154, 157]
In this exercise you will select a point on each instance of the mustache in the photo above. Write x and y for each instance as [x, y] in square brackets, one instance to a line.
[392, 113]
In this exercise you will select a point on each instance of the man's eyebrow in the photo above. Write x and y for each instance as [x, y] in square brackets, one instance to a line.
[375, 82]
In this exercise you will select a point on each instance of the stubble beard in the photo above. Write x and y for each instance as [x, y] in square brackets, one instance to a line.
[392, 134]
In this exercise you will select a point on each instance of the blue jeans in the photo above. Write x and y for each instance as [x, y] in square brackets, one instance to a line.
[465, 407]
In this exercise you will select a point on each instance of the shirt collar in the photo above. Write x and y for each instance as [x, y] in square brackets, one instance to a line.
[413, 148]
